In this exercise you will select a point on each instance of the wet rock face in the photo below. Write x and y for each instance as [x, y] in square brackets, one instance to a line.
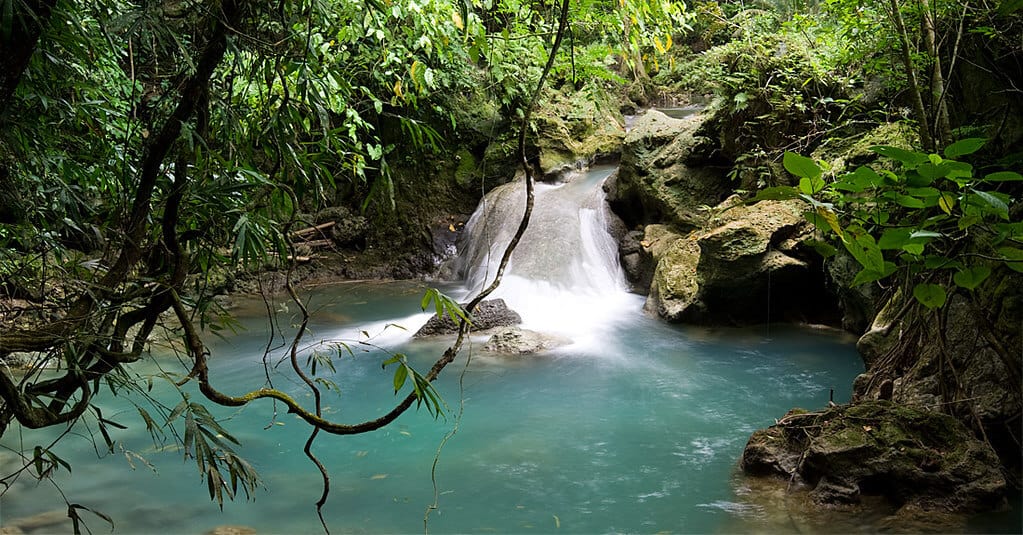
[878, 448]
[748, 264]
[664, 175]
[487, 315]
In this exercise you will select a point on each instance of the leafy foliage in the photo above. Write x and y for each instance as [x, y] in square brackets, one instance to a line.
[931, 215]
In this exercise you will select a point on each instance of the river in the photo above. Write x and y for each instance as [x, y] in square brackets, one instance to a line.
[634, 426]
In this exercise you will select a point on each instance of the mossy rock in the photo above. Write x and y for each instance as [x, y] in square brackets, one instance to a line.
[663, 175]
[906, 454]
[466, 168]
[846, 154]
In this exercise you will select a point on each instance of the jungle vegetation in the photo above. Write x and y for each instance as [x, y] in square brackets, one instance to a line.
[146, 146]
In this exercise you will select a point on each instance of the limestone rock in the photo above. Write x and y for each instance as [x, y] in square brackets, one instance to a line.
[487, 315]
[907, 455]
[516, 341]
[664, 176]
[674, 292]
[747, 265]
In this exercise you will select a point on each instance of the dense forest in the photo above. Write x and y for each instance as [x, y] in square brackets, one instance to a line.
[155, 155]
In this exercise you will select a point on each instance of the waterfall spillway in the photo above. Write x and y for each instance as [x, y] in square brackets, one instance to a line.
[564, 276]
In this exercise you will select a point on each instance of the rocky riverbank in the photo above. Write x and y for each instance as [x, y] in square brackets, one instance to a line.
[934, 425]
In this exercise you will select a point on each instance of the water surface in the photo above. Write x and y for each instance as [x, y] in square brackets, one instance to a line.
[639, 432]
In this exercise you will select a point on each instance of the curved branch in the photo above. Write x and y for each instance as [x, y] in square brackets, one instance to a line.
[199, 352]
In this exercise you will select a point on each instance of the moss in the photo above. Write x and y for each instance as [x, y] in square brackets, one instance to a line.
[845, 154]
[466, 168]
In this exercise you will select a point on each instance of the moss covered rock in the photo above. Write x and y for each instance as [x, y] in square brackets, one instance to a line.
[749, 264]
[968, 361]
[880, 448]
[574, 126]
[663, 176]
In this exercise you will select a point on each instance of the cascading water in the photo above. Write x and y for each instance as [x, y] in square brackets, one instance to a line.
[564, 276]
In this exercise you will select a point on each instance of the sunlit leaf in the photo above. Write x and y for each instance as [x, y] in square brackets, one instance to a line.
[803, 167]
[964, 147]
[909, 158]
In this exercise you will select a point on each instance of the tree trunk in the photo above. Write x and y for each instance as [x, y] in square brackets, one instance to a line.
[914, 87]
[942, 125]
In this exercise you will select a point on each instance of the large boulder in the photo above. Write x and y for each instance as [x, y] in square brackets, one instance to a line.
[749, 264]
[667, 174]
[487, 315]
[878, 448]
[575, 127]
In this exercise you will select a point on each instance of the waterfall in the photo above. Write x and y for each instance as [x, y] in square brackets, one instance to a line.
[564, 276]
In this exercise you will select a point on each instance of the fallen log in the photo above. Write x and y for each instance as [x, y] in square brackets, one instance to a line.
[310, 230]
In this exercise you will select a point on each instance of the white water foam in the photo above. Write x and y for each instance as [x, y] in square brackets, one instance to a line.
[564, 277]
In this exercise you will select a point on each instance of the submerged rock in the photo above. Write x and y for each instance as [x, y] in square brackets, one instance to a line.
[487, 315]
[49, 521]
[232, 530]
[516, 341]
[878, 448]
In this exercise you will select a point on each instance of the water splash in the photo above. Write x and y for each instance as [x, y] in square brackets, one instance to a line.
[564, 277]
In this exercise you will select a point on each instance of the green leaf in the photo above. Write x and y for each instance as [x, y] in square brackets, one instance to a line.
[940, 262]
[998, 206]
[908, 201]
[894, 238]
[802, 167]
[861, 245]
[824, 249]
[859, 180]
[398, 357]
[777, 193]
[1004, 176]
[971, 278]
[914, 248]
[870, 275]
[908, 158]
[931, 296]
[811, 186]
[964, 147]
[400, 375]
[1013, 258]
[946, 202]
